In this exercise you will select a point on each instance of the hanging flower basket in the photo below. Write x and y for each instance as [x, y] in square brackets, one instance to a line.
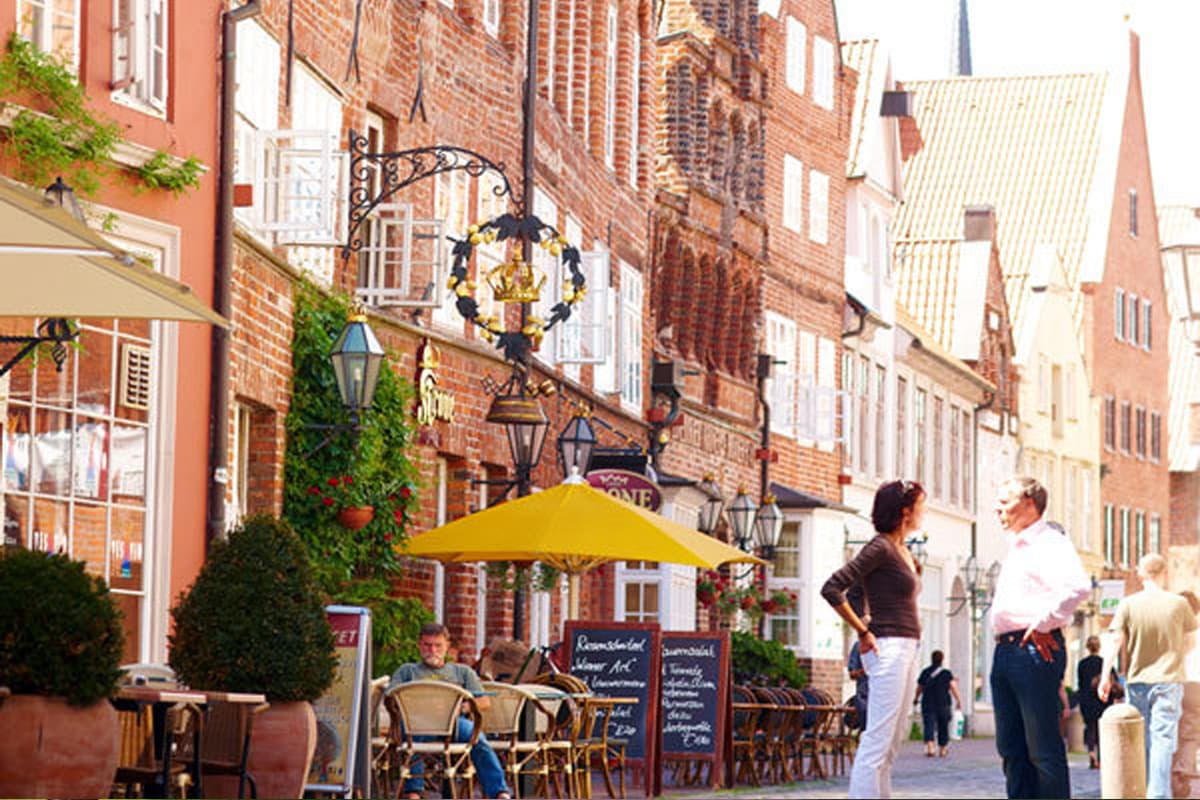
[356, 517]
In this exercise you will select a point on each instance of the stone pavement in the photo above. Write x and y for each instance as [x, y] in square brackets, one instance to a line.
[971, 770]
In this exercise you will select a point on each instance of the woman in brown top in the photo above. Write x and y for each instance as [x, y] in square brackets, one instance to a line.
[891, 580]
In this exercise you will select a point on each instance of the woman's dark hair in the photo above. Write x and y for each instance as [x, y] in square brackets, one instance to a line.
[937, 657]
[890, 501]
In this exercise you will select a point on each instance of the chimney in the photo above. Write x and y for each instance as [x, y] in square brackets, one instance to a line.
[979, 224]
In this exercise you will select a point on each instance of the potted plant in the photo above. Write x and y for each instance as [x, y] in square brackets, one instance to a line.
[60, 652]
[254, 621]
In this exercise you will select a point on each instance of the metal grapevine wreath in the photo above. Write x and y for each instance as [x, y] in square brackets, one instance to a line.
[515, 281]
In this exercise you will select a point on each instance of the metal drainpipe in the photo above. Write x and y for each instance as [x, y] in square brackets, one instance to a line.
[218, 454]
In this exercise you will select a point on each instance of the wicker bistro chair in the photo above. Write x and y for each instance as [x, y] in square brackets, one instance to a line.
[544, 755]
[380, 775]
[748, 737]
[162, 767]
[428, 712]
[554, 725]
[592, 744]
[225, 746]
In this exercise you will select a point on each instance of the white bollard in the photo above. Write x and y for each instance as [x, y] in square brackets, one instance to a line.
[1122, 752]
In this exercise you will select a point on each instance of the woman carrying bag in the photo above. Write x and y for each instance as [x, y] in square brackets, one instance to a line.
[891, 580]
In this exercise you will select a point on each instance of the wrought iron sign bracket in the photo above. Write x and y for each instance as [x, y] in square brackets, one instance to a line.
[397, 170]
[54, 330]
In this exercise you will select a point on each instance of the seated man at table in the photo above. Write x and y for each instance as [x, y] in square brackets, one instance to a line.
[433, 643]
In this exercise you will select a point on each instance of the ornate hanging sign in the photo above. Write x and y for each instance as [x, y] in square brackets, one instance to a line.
[628, 486]
[433, 403]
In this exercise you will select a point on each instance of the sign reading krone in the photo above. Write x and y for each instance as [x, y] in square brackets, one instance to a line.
[628, 486]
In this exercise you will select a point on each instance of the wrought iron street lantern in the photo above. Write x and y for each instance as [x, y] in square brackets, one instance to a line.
[710, 510]
[357, 357]
[768, 525]
[741, 518]
[525, 423]
[575, 445]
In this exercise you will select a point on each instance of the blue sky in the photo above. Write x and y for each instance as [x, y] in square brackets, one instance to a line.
[1013, 37]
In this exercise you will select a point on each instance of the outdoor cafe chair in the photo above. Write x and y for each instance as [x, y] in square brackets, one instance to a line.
[554, 725]
[504, 722]
[225, 745]
[379, 742]
[748, 738]
[424, 718]
[593, 744]
[155, 759]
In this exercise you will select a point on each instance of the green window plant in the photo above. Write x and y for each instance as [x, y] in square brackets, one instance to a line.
[254, 620]
[60, 631]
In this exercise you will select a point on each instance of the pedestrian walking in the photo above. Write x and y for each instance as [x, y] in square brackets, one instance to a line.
[433, 642]
[1040, 584]
[935, 686]
[1151, 628]
[1087, 685]
[888, 644]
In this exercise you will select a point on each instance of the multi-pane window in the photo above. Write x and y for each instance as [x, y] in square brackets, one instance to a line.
[140, 51]
[818, 207]
[450, 205]
[1139, 536]
[793, 193]
[797, 45]
[806, 386]
[826, 394]
[53, 28]
[545, 209]
[822, 51]
[938, 445]
[1126, 428]
[881, 426]
[1131, 320]
[919, 435]
[1109, 536]
[610, 89]
[785, 627]
[1146, 324]
[631, 337]
[954, 453]
[1125, 543]
[1119, 315]
[1110, 422]
[1155, 544]
[781, 388]
[862, 388]
[1133, 213]
[901, 426]
[966, 467]
[641, 601]
[1043, 385]
[1056, 400]
[1140, 437]
[1155, 436]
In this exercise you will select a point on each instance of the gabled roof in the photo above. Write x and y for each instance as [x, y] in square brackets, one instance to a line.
[1178, 225]
[952, 371]
[1033, 148]
[860, 56]
[927, 283]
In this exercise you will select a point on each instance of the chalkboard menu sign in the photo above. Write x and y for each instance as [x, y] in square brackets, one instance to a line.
[622, 659]
[695, 697]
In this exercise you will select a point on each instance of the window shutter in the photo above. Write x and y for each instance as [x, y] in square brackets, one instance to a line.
[155, 91]
[582, 338]
[124, 68]
[135, 376]
[822, 72]
[797, 36]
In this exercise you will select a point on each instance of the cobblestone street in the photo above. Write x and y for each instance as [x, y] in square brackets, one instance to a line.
[971, 770]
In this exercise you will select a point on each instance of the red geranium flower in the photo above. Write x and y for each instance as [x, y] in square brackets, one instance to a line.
[314, 490]
[405, 492]
[332, 481]
[387, 537]
[328, 501]
[347, 480]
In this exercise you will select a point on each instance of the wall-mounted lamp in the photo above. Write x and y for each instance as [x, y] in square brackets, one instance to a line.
[714, 504]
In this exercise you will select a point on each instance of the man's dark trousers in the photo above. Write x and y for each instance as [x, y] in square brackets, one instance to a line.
[1026, 706]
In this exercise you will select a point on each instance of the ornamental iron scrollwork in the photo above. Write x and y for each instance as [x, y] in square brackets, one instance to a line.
[397, 170]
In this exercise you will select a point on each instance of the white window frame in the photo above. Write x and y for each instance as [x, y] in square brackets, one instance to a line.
[488, 256]
[636, 573]
[797, 45]
[550, 267]
[829, 402]
[1043, 385]
[823, 55]
[610, 88]
[141, 59]
[818, 207]
[582, 338]
[491, 18]
[631, 338]
[451, 201]
[793, 194]
[604, 376]
[1119, 315]
[1132, 320]
[1147, 341]
[44, 38]
[806, 388]
[781, 386]
[635, 111]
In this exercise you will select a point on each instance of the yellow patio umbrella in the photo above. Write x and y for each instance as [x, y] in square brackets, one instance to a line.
[575, 528]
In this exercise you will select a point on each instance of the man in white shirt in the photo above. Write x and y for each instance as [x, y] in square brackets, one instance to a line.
[1040, 584]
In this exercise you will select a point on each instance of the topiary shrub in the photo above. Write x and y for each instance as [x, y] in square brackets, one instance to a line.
[764, 663]
[253, 621]
[60, 631]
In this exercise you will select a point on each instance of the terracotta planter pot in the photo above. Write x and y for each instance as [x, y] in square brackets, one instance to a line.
[356, 517]
[281, 750]
[51, 749]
